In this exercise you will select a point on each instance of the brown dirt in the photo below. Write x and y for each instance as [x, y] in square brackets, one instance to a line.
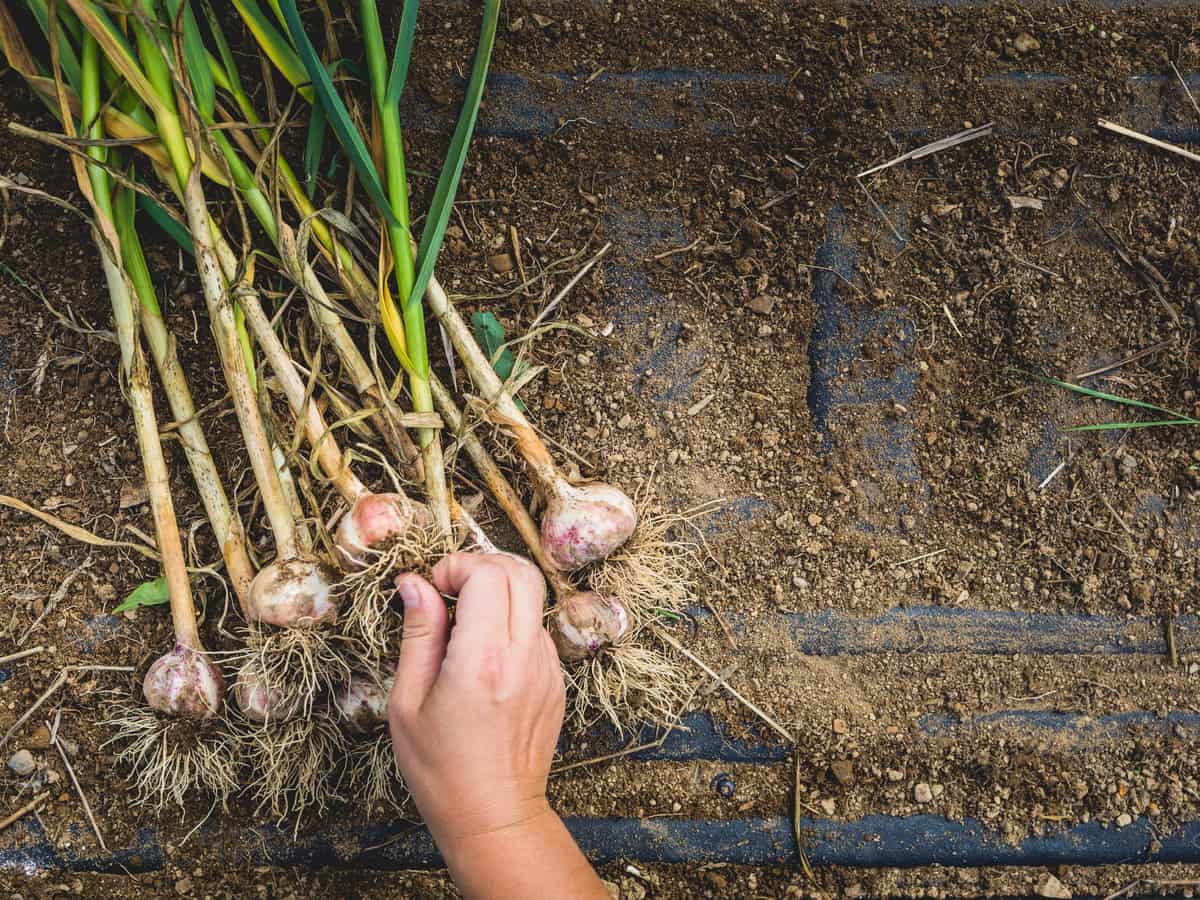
[971, 288]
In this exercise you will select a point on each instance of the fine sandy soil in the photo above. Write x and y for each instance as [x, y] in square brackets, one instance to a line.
[722, 199]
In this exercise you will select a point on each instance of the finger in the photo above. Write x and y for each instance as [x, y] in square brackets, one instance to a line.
[556, 705]
[481, 582]
[528, 597]
[422, 643]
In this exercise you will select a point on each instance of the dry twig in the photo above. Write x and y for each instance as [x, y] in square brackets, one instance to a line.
[1187, 90]
[25, 716]
[13, 657]
[1146, 139]
[62, 753]
[954, 140]
[553, 304]
[725, 684]
[25, 810]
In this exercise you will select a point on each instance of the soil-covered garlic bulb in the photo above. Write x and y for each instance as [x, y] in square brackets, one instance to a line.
[362, 702]
[258, 699]
[373, 520]
[585, 623]
[184, 682]
[292, 592]
[586, 523]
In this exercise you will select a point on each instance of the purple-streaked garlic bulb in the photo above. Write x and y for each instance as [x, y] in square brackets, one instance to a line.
[259, 700]
[585, 523]
[372, 521]
[585, 623]
[292, 592]
[184, 682]
[362, 701]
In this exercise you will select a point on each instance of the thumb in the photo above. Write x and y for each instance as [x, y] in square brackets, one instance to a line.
[423, 642]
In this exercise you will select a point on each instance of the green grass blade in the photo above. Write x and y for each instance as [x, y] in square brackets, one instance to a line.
[372, 35]
[65, 19]
[275, 45]
[1112, 398]
[167, 223]
[314, 147]
[278, 13]
[195, 58]
[447, 186]
[403, 53]
[117, 50]
[131, 250]
[67, 57]
[336, 112]
[1120, 426]
[225, 71]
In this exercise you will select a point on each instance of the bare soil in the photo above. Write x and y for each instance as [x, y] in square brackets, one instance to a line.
[726, 231]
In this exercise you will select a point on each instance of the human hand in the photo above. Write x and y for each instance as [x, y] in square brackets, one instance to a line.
[476, 711]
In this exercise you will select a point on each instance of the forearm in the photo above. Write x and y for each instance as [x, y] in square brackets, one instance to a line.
[533, 858]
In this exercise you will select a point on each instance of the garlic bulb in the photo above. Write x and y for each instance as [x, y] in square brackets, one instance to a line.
[585, 623]
[585, 523]
[184, 682]
[362, 701]
[372, 521]
[259, 700]
[292, 592]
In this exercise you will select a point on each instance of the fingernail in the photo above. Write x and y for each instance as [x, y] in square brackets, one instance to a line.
[410, 594]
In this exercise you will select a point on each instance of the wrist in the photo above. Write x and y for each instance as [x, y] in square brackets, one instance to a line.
[514, 823]
[486, 812]
[531, 857]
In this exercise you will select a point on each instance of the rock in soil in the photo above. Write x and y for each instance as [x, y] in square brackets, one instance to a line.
[22, 762]
[1052, 887]
[843, 772]
[40, 739]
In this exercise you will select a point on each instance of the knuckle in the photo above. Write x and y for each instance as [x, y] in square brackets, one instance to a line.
[490, 670]
[524, 577]
[490, 569]
[415, 631]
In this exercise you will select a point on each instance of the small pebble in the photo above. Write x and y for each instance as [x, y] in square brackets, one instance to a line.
[724, 785]
[843, 772]
[840, 726]
[1026, 43]
[922, 793]
[500, 263]
[40, 739]
[22, 762]
[1124, 819]
[183, 886]
[762, 305]
[829, 805]
[1052, 887]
